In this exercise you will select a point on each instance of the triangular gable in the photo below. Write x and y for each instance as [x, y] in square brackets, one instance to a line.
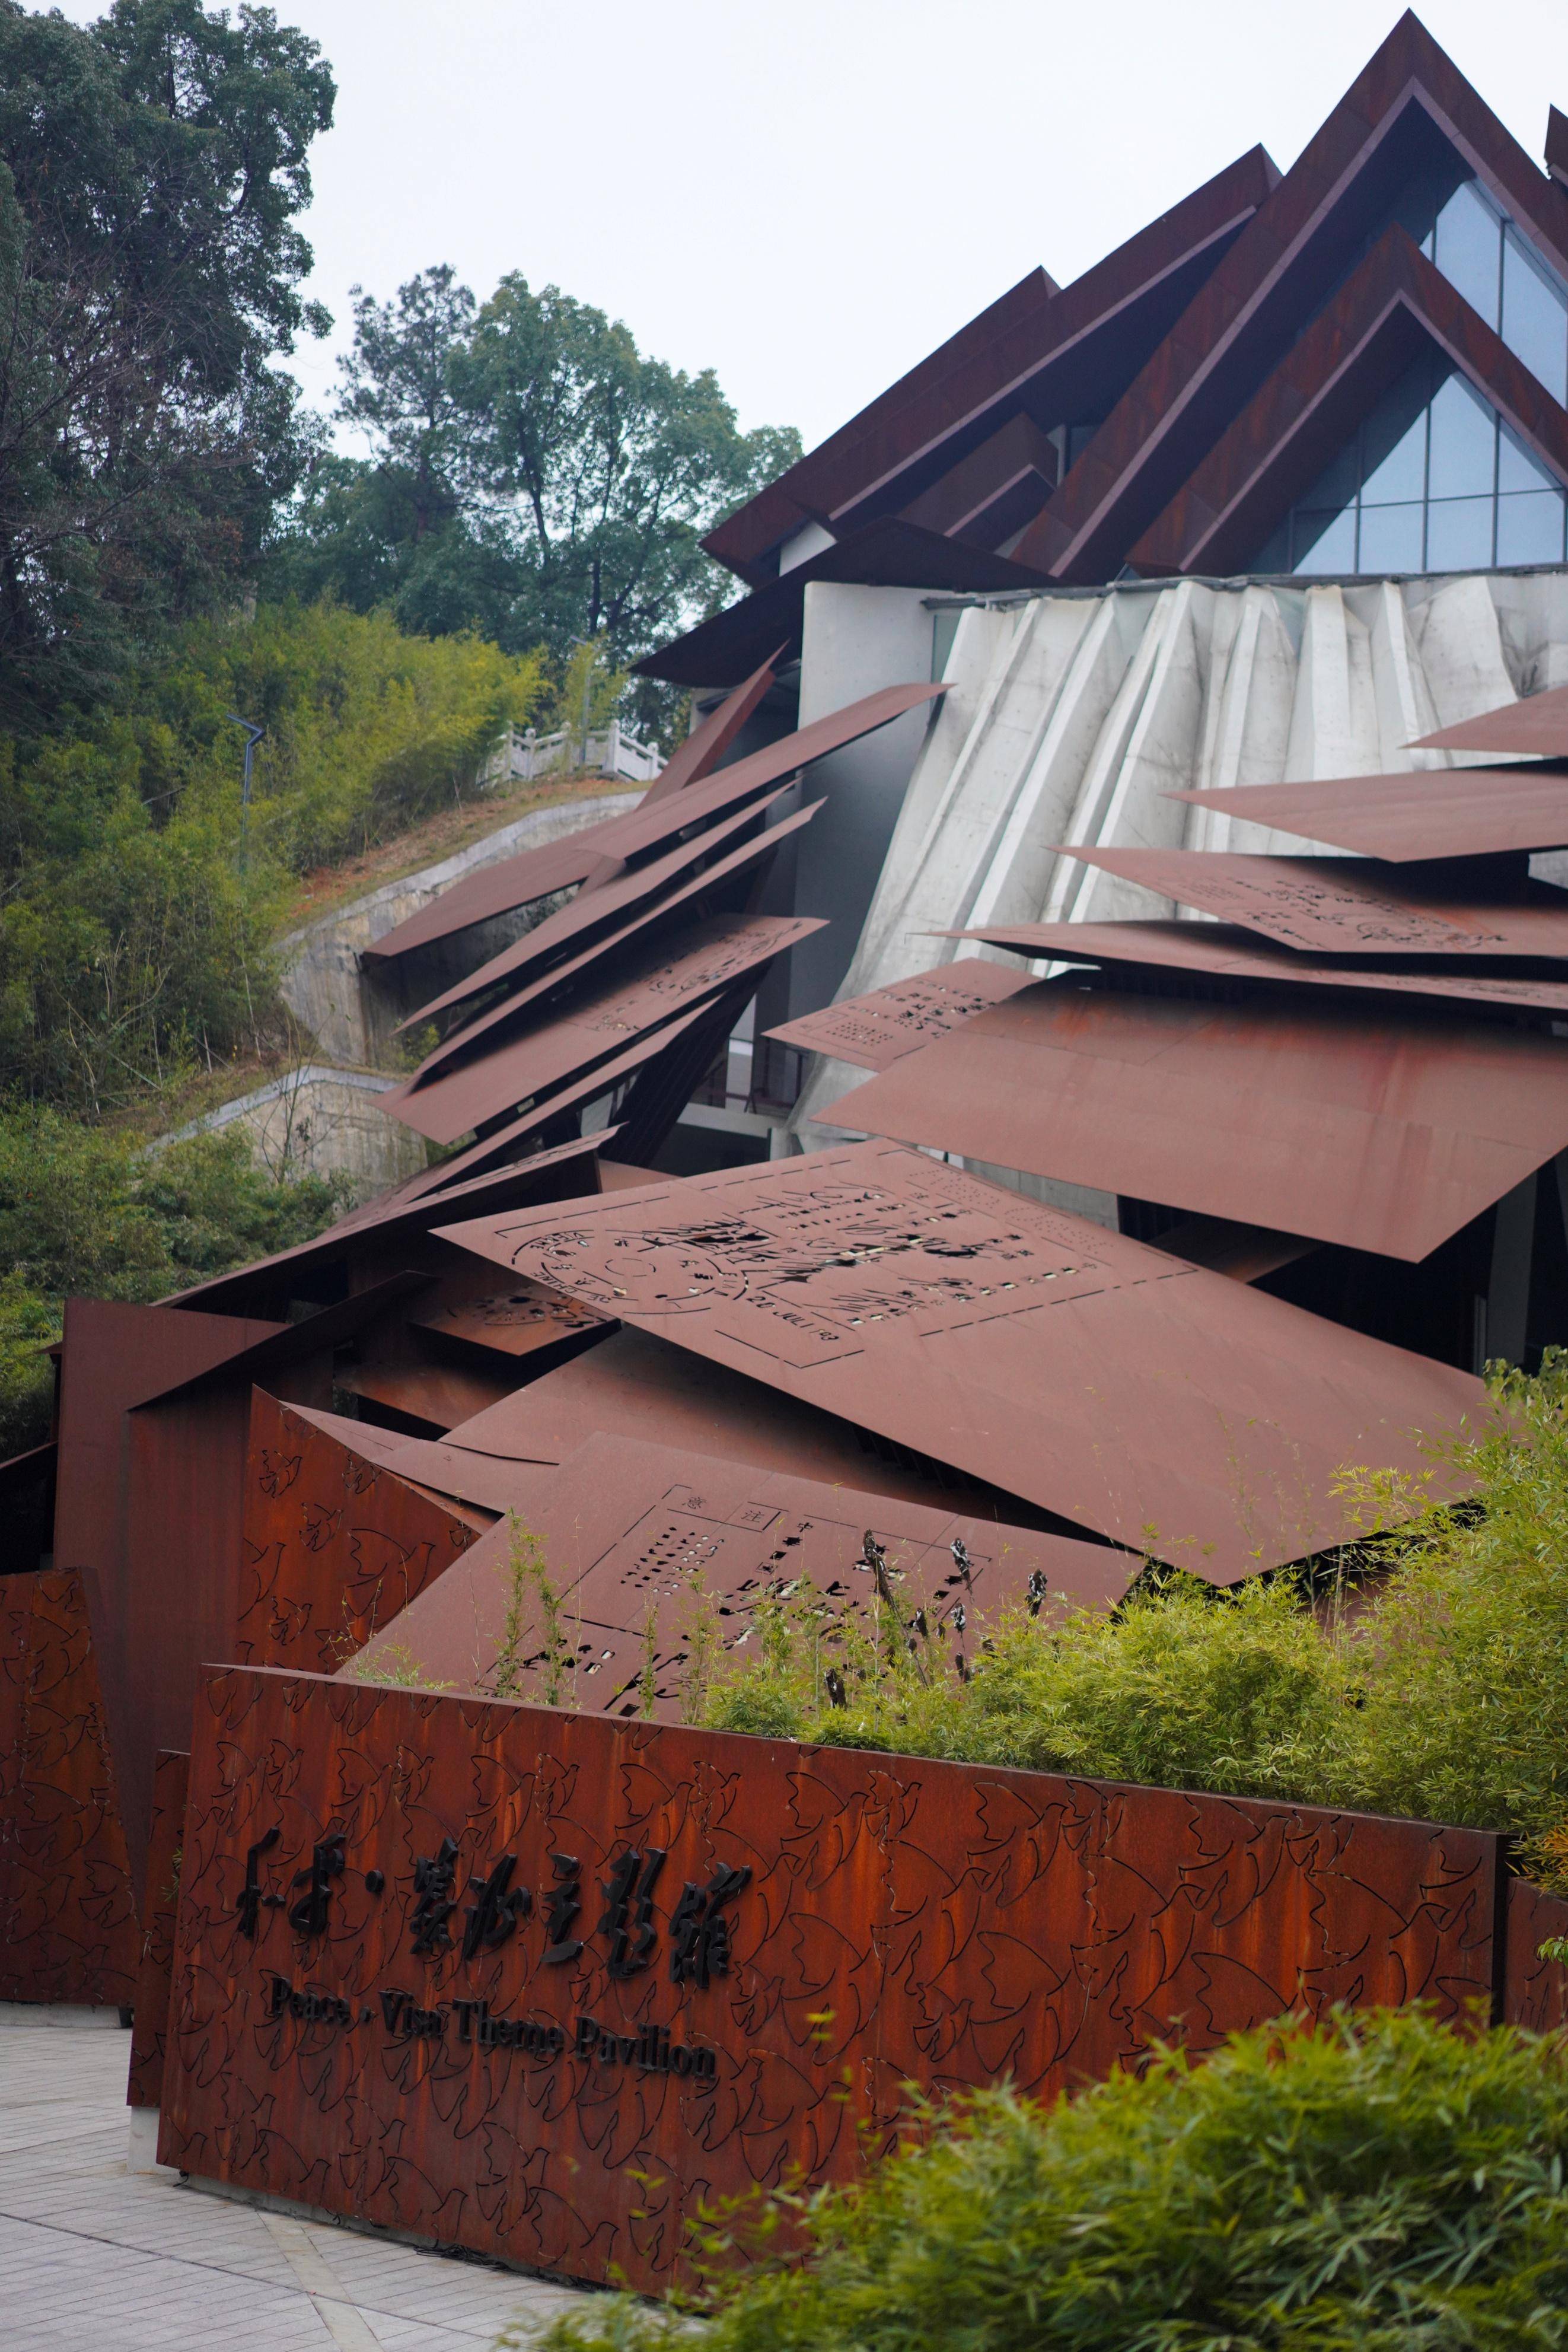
[934, 417]
[1393, 308]
[1280, 269]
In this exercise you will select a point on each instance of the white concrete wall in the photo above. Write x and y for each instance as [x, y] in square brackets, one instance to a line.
[853, 641]
[1069, 718]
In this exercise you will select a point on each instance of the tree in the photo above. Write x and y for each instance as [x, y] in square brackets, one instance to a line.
[149, 272]
[533, 477]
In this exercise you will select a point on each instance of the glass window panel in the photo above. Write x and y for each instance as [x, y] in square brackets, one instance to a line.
[1336, 484]
[1517, 469]
[1458, 534]
[1402, 474]
[1529, 528]
[1391, 538]
[1534, 316]
[1326, 542]
[1464, 442]
[1274, 555]
[1469, 248]
[1422, 198]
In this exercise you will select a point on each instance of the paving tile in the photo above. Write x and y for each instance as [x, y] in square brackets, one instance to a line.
[94, 2255]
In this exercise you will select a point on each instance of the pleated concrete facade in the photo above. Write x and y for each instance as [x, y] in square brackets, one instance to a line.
[1071, 717]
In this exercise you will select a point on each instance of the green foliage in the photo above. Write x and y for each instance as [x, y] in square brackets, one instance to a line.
[1444, 1698]
[533, 1631]
[87, 1210]
[1462, 1668]
[588, 695]
[1377, 2184]
[154, 165]
[534, 476]
[131, 943]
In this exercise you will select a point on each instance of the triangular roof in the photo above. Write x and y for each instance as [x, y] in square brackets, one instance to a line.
[938, 413]
[1393, 305]
[1276, 276]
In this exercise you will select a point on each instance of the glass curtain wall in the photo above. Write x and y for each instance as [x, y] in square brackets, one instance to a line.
[1485, 259]
[1434, 480]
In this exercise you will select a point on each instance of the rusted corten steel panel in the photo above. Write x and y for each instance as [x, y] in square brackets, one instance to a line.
[149, 2026]
[658, 818]
[1535, 1992]
[333, 1545]
[1284, 264]
[1339, 906]
[557, 865]
[430, 1394]
[875, 1030]
[1105, 1380]
[638, 1386]
[647, 827]
[115, 1356]
[644, 890]
[560, 1173]
[649, 1540]
[520, 1320]
[491, 1068]
[485, 1483]
[1428, 812]
[1230, 953]
[1393, 307]
[1535, 728]
[1383, 1133]
[708, 953]
[499, 889]
[568, 1097]
[706, 745]
[67, 1915]
[540, 1983]
[1045, 347]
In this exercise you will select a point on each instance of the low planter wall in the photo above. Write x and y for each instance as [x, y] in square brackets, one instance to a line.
[536, 1983]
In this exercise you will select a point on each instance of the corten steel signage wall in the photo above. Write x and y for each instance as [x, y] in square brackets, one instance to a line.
[536, 1983]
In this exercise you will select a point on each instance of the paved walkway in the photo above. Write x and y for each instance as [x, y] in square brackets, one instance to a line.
[96, 2257]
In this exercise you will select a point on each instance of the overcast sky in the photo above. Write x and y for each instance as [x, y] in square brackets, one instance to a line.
[808, 197]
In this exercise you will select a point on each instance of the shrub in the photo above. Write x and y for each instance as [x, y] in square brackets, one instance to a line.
[1380, 2182]
[1180, 1687]
[1462, 1667]
[87, 1211]
[1446, 1698]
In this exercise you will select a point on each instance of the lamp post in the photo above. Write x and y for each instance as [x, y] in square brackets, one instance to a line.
[252, 736]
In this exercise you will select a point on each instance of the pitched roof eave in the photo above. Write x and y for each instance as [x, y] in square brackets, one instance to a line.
[1301, 415]
[1243, 318]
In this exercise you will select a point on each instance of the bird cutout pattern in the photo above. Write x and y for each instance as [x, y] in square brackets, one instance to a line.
[69, 1928]
[150, 2022]
[537, 1983]
[332, 1545]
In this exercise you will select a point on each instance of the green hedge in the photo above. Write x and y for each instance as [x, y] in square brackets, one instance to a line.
[1382, 2183]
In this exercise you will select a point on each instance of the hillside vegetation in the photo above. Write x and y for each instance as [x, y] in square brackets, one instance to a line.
[134, 935]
